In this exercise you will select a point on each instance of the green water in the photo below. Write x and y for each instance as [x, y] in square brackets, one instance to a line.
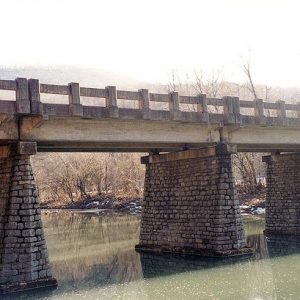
[93, 257]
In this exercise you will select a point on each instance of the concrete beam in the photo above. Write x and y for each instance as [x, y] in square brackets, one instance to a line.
[26, 148]
[4, 151]
[78, 134]
[281, 157]
[256, 138]
[56, 130]
[116, 147]
[8, 128]
[18, 148]
[219, 149]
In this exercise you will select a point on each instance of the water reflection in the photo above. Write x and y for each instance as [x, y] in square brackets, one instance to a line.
[93, 257]
[281, 245]
[167, 264]
[265, 247]
[92, 250]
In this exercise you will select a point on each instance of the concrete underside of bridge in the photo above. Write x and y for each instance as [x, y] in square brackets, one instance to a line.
[120, 135]
[190, 204]
[24, 260]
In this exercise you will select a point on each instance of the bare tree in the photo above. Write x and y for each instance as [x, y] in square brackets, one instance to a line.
[248, 164]
[251, 87]
[211, 85]
[66, 177]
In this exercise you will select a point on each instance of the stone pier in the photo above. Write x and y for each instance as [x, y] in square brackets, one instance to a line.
[283, 194]
[190, 204]
[24, 260]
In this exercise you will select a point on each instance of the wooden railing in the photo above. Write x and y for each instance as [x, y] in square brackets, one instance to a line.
[227, 110]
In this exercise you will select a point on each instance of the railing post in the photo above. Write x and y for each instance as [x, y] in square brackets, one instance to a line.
[111, 102]
[75, 108]
[175, 113]
[237, 109]
[231, 106]
[144, 103]
[202, 108]
[259, 111]
[34, 97]
[228, 110]
[281, 112]
[22, 96]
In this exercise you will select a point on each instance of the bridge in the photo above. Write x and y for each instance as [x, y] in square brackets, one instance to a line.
[141, 121]
[190, 202]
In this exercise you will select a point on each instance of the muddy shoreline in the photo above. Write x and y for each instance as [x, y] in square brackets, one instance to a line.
[108, 204]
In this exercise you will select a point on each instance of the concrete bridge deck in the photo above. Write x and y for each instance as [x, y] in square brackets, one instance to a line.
[93, 119]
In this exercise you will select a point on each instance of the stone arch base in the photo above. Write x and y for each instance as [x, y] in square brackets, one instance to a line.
[190, 204]
[283, 194]
[24, 262]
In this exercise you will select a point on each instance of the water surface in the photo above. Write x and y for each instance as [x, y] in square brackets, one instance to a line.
[93, 257]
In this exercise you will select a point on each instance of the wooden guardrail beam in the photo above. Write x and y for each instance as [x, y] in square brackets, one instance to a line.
[54, 89]
[8, 85]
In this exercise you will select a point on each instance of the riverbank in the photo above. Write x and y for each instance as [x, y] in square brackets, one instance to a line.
[104, 204]
[251, 204]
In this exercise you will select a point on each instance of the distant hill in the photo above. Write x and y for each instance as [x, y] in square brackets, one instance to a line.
[92, 77]
[64, 74]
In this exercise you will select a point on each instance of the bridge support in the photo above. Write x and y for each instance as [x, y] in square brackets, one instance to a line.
[24, 260]
[283, 194]
[190, 204]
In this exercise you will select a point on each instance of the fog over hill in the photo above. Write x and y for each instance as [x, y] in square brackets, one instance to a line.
[88, 77]
[65, 74]
[92, 77]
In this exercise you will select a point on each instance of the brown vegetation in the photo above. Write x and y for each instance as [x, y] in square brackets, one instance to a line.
[66, 177]
[75, 180]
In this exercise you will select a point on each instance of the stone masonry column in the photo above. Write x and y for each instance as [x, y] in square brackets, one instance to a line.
[283, 194]
[24, 262]
[190, 204]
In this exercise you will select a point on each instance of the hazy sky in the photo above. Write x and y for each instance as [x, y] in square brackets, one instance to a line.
[147, 39]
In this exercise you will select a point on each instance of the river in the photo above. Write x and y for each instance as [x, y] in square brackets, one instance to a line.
[93, 257]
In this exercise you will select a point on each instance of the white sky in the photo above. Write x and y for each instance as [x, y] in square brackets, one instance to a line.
[147, 39]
